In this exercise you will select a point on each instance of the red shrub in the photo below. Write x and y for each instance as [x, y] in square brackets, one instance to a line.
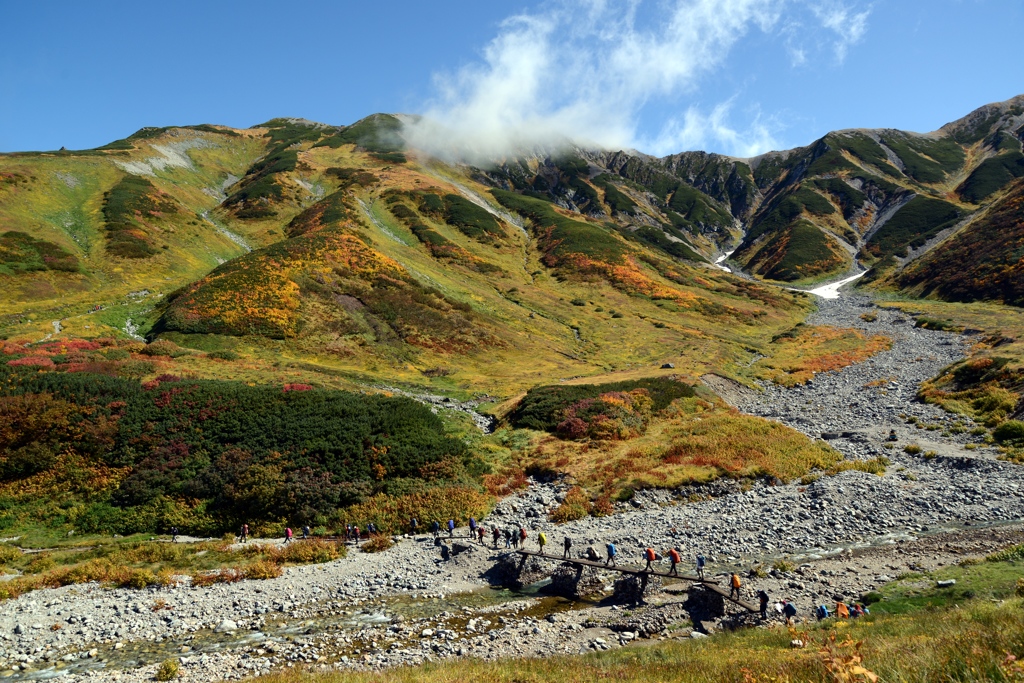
[297, 387]
[33, 361]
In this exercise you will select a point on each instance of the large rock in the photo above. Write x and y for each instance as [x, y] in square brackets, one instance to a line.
[703, 605]
[226, 626]
[631, 588]
[575, 581]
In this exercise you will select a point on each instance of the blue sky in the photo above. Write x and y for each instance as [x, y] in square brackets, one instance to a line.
[732, 76]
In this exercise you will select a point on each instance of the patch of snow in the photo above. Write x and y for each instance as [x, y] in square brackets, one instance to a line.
[722, 258]
[831, 290]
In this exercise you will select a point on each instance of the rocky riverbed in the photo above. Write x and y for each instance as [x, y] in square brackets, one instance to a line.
[844, 535]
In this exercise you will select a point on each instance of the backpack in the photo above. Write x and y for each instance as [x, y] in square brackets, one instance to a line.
[649, 553]
[611, 549]
[789, 610]
[522, 534]
[736, 583]
[700, 560]
[674, 554]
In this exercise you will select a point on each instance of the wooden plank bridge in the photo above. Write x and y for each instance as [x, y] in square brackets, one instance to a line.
[642, 573]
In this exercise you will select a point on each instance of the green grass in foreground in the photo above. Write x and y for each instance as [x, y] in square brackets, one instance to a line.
[967, 644]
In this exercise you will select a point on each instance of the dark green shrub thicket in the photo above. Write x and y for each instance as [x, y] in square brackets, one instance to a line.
[806, 251]
[657, 237]
[123, 204]
[991, 176]
[543, 407]
[849, 198]
[260, 189]
[20, 252]
[379, 134]
[970, 134]
[867, 150]
[584, 196]
[697, 208]
[470, 219]
[926, 160]
[787, 209]
[390, 157]
[561, 236]
[915, 223]
[616, 200]
[284, 133]
[248, 453]
[333, 208]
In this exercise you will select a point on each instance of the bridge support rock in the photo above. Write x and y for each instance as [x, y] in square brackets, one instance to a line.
[632, 588]
[704, 607]
[575, 581]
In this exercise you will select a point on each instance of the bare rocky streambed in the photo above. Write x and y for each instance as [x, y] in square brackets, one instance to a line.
[845, 535]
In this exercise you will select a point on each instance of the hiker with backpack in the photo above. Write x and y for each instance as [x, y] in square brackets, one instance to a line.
[566, 546]
[472, 528]
[481, 532]
[674, 557]
[612, 552]
[542, 540]
[734, 586]
[451, 528]
[495, 535]
[763, 599]
[788, 611]
[821, 612]
[435, 528]
[287, 534]
[508, 538]
[650, 556]
[522, 537]
[701, 562]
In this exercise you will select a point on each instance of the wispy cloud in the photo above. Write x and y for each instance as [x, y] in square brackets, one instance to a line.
[585, 71]
[695, 130]
[848, 24]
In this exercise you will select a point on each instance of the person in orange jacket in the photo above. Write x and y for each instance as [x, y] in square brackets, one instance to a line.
[674, 557]
[651, 556]
[735, 583]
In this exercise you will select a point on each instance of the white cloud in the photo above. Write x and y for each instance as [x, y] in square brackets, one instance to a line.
[585, 70]
[848, 25]
[696, 129]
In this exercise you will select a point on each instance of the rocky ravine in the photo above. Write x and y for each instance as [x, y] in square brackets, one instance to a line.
[848, 533]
